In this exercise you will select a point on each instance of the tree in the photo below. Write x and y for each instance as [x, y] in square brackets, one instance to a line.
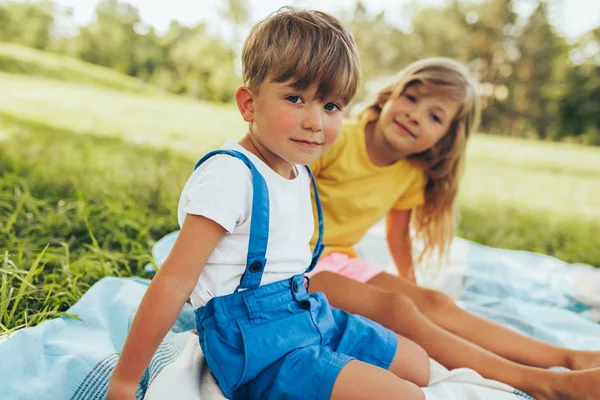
[39, 20]
[544, 58]
[380, 44]
[237, 13]
[203, 66]
[111, 40]
[579, 104]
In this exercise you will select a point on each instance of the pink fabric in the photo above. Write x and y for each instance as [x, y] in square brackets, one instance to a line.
[350, 267]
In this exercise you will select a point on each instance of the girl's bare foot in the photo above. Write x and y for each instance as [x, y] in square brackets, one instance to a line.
[573, 385]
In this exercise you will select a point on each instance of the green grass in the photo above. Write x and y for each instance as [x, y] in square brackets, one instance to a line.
[17, 59]
[560, 179]
[73, 209]
[164, 120]
[537, 196]
[90, 178]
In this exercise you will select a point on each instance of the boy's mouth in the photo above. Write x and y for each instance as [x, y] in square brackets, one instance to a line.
[310, 144]
[404, 129]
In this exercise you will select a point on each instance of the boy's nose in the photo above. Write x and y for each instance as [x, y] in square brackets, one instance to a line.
[312, 119]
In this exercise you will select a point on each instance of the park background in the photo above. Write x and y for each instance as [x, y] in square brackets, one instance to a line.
[105, 107]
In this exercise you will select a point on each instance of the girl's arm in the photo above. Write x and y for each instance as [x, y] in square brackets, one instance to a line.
[169, 290]
[398, 238]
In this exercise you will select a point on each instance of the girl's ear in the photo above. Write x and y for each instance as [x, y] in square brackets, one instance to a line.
[244, 98]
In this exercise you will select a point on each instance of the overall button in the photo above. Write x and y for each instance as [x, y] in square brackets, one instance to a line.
[255, 267]
[295, 287]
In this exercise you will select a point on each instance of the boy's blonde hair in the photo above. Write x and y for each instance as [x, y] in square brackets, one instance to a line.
[444, 162]
[310, 47]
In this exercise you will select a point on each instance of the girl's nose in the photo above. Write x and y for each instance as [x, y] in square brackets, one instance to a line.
[416, 114]
[413, 116]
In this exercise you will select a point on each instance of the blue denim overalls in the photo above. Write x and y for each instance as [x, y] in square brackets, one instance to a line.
[277, 340]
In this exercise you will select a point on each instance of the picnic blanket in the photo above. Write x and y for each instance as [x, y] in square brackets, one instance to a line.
[535, 294]
[70, 359]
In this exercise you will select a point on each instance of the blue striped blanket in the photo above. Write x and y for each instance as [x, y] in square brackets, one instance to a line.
[543, 297]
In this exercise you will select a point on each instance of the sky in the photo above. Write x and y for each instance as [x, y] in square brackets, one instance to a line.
[570, 17]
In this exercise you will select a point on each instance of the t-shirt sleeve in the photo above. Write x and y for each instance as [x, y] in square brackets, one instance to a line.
[219, 190]
[414, 195]
[317, 165]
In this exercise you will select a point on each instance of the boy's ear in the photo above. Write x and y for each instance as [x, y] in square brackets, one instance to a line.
[244, 98]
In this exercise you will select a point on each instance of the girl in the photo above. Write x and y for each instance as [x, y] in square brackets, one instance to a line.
[402, 157]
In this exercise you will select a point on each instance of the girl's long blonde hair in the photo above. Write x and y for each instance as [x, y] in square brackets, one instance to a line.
[443, 163]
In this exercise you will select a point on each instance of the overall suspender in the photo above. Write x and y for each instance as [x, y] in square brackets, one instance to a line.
[259, 223]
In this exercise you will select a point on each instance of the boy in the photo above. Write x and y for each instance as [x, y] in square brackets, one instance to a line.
[246, 219]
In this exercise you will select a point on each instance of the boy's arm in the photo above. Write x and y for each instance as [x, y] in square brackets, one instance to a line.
[162, 303]
[399, 242]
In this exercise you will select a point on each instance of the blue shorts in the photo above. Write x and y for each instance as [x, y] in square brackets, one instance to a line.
[277, 341]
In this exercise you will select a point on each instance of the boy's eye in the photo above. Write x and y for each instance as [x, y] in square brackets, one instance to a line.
[332, 107]
[436, 118]
[294, 99]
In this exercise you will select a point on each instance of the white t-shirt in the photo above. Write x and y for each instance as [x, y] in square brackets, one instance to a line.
[221, 189]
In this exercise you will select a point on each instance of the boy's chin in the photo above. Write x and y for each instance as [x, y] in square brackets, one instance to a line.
[304, 158]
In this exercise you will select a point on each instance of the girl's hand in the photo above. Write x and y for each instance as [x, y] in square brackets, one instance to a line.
[398, 238]
[121, 390]
[409, 275]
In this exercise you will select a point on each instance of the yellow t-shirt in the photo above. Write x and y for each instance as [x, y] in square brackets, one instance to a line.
[355, 194]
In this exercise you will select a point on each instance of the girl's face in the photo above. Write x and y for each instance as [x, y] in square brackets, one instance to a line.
[417, 120]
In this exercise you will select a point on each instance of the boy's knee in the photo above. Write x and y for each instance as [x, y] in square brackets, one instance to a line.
[420, 364]
[413, 363]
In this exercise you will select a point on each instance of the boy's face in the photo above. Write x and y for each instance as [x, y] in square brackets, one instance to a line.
[293, 124]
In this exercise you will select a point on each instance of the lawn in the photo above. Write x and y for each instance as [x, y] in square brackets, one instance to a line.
[90, 176]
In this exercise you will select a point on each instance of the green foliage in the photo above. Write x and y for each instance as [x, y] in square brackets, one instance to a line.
[379, 43]
[39, 17]
[203, 66]
[111, 40]
[579, 116]
[185, 60]
[531, 84]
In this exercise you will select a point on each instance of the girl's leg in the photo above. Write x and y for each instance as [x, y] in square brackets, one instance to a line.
[505, 342]
[400, 314]
[359, 380]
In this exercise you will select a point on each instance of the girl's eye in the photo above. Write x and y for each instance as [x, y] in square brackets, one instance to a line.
[436, 118]
[332, 107]
[294, 99]
[411, 98]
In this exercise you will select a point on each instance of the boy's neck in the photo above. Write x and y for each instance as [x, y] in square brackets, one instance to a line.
[378, 149]
[273, 161]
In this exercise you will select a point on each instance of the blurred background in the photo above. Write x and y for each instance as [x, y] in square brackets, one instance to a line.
[106, 105]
